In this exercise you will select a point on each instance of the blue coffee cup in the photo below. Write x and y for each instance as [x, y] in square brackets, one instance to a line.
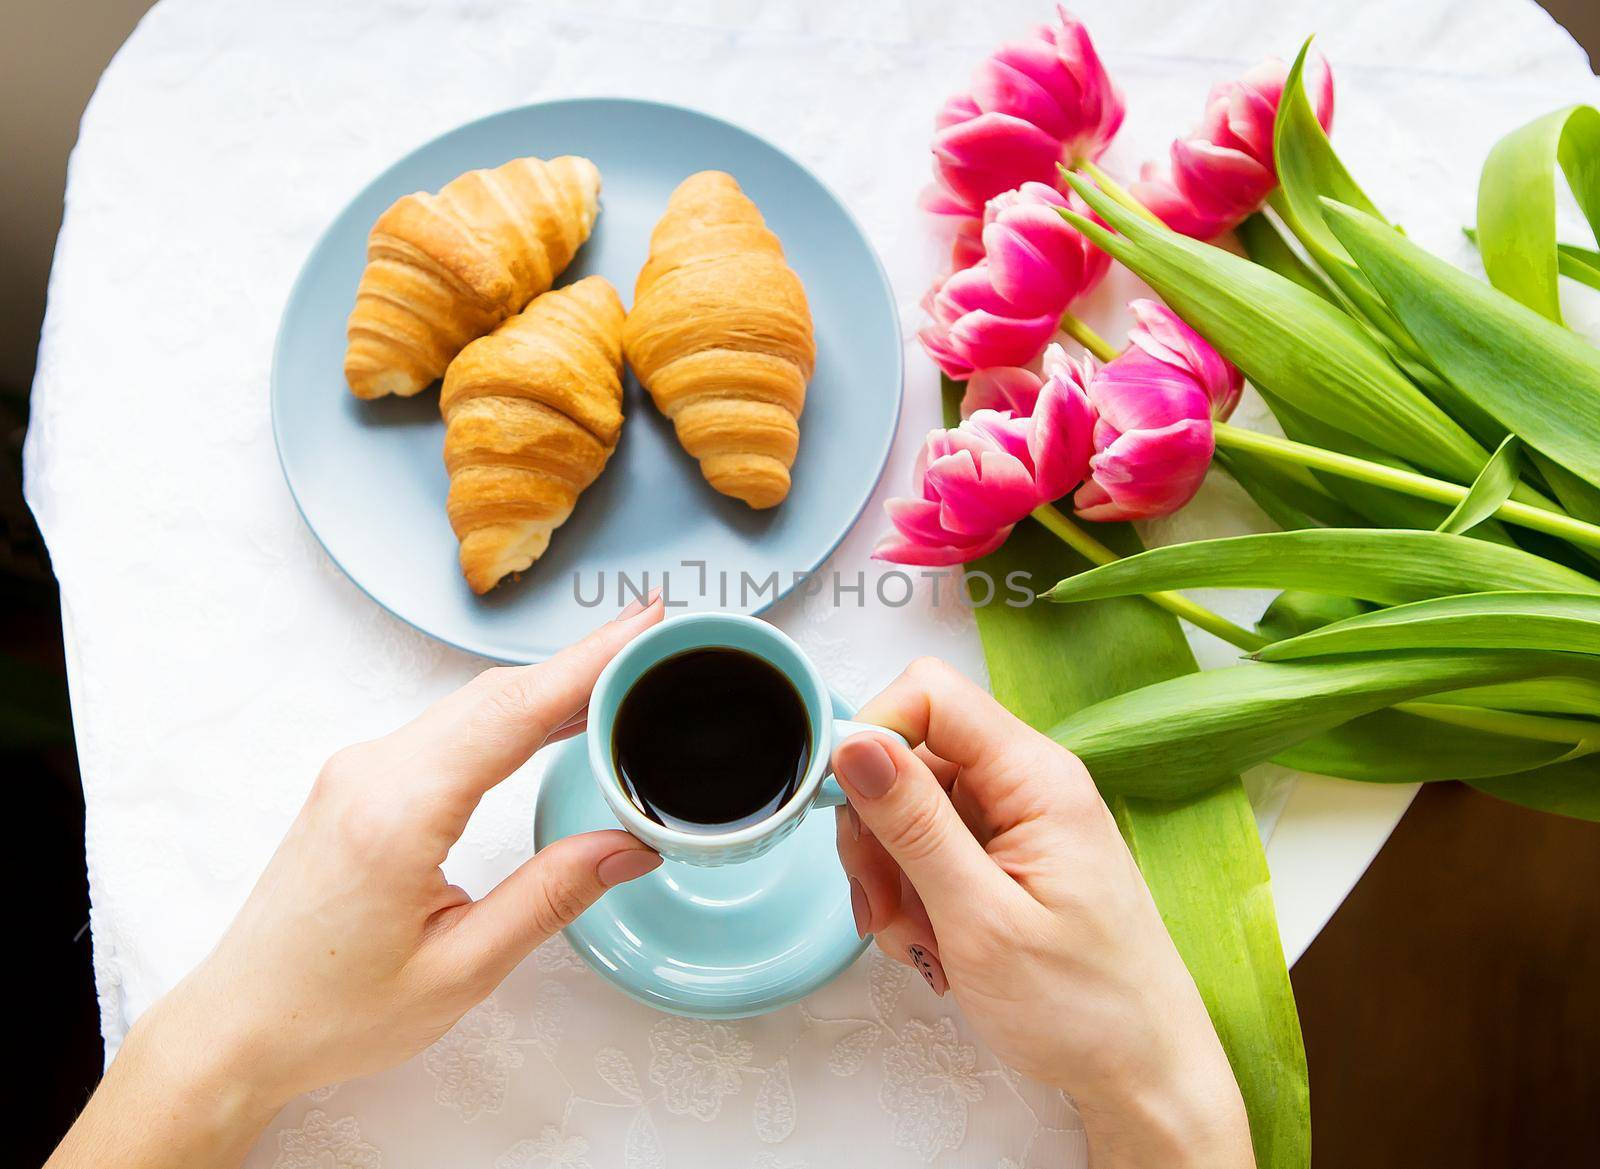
[692, 631]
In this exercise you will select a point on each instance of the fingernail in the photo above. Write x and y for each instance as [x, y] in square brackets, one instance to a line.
[851, 815]
[927, 963]
[860, 908]
[627, 865]
[864, 764]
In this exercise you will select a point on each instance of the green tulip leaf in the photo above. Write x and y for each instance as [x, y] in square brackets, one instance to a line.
[1389, 566]
[1566, 789]
[1580, 264]
[1392, 746]
[1580, 498]
[1537, 695]
[1265, 245]
[1559, 622]
[1489, 490]
[1294, 612]
[1505, 356]
[1517, 206]
[1230, 719]
[1308, 169]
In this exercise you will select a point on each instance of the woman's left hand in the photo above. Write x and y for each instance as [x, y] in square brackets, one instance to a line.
[353, 952]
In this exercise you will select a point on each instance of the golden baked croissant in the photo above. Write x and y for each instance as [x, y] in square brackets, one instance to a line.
[720, 334]
[532, 412]
[444, 269]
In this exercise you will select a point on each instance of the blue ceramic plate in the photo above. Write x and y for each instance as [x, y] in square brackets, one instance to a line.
[717, 943]
[369, 477]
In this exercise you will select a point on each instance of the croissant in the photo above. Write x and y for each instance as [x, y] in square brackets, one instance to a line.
[444, 269]
[532, 412]
[720, 334]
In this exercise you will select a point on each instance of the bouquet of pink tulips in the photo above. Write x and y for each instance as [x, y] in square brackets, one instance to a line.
[1437, 479]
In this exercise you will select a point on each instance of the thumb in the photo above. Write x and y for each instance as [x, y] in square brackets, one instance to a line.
[901, 801]
[546, 894]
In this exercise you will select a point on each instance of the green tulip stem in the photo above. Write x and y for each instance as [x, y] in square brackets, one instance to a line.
[1087, 337]
[1283, 450]
[1177, 604]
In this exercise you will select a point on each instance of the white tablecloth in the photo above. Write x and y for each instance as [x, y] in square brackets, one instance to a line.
[216, 656]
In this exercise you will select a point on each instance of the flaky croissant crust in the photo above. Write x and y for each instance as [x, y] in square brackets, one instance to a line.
[532, 413]
[445, 269]
[721, 336]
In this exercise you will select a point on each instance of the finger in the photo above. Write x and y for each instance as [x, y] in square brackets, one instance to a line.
[580, 717]
[974, 814]
[570, 731]
[910, 939]
[956, 719]
[899, 799]
[490, 727]
[1007, 772]
[546, 894]
[943, 770]
[874, 877]
[452, 896]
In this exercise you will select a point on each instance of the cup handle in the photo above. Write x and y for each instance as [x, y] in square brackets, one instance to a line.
[830, 794]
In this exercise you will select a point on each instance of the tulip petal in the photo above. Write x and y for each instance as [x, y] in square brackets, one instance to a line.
[1162, 334]
[1162, 199]
[936, 341]
[956, 109]
[977, 495]
[979, 158]
[1006, 83]
[999, 430]
[985, 339]
[1221, 182]
[1060, 438]
[1148, 473]
[927, 555]
[1001, 387]
[1136, 391]
[918, 520]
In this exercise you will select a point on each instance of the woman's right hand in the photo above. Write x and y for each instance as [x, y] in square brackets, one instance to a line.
[986, 859]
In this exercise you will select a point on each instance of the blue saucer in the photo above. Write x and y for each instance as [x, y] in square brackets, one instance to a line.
[717, 943]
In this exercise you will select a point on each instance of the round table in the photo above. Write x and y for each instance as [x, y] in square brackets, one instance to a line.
[216, 656]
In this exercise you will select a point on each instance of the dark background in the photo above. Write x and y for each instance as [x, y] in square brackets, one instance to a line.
[1451, 1008]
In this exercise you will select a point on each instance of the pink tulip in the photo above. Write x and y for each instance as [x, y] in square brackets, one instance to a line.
[1033, 104]
[974, 482]
[1154, 406]
[1162, 334]
[1004, 308]
[974, 326]
[1038, 261]
[1224, 172]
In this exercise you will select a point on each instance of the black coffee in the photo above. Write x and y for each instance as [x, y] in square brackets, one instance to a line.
[710, 740]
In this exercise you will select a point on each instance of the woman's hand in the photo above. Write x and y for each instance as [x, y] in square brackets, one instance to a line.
[353, 952]
[986, 859]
